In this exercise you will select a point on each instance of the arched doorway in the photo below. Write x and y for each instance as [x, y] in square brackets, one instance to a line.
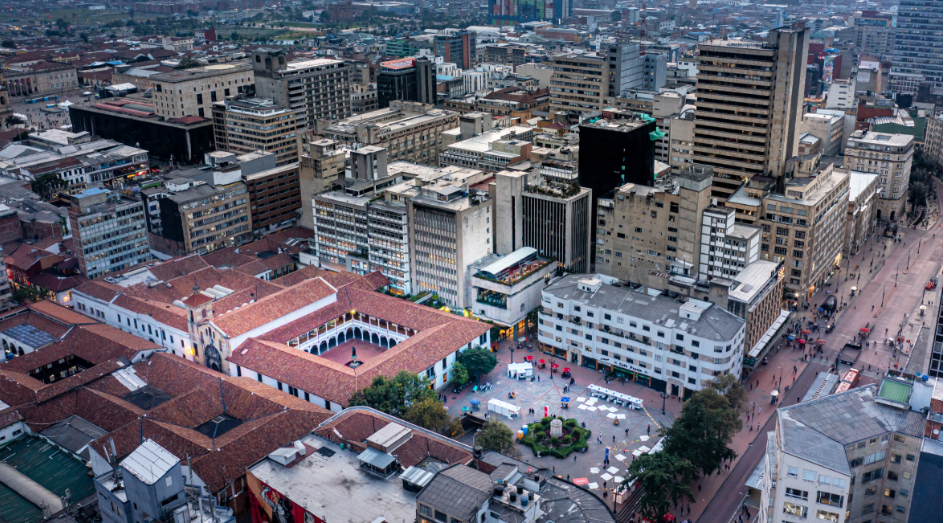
[341, 338]
[322, 347]
[333, 342]
[374, 338]
[358, 334]
[383, 341]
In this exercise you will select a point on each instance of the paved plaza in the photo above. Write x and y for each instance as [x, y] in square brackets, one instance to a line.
[595, 414]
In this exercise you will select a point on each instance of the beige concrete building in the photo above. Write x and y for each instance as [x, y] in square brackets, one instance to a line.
[860, 214]
[410, 131]
[826, 127]
[652, 235]
[192, 92]
[202, 211]
[318, 89]
[579, 82]
[805, 227]
[932, 142]
[256, 124]
[322, 165]
[749, 106]
[889, 156]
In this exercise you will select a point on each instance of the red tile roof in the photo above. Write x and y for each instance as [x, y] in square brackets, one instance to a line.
[271, 308]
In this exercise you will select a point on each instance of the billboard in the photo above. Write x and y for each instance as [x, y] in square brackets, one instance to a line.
[828, 69]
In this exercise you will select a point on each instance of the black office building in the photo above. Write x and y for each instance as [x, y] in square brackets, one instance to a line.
[614, 151]
[409, 79]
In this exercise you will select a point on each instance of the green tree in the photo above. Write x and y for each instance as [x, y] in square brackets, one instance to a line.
[47, 185]
[234, 36]
[84, 37]
[62, 24]
[665, 480]
[187, 63]
[459, 375]
[28, 294]
[732, 389]
[917, 194]
[9, 44]
[498, 437]
[477, 361]
[431, 414]
[394, 395]
[704, 430]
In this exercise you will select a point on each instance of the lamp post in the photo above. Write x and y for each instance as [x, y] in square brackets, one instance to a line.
[474, 434]
[664, 395]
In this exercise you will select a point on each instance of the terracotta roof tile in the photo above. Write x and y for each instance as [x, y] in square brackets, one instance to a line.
[272, 307]
[178, 267]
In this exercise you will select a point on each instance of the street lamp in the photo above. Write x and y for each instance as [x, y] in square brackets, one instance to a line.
[474, 434]
[664, 395]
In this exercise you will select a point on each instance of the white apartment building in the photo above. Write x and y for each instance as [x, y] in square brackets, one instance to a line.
[726, 247]
[671, 345]
[841, 95]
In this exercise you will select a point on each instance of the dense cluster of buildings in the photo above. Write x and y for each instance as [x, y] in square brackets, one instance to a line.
[228, 241]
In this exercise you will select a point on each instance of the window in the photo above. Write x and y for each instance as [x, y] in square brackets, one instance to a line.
[441, 516]
[825, 480]
[832, 517]
[892, 475]
[826, 498]
[903, 492]
[809, 475]
[793, 471]
[909, 457]
[794, 510]
[425, 510]
[873, 475]
[798, 494]
[871, 491]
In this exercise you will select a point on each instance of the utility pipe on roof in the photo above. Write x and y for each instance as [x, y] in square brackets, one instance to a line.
[29, 489]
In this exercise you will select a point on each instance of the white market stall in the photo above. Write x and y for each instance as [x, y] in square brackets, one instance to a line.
[616, 397]
[505, 409]
[520, 371]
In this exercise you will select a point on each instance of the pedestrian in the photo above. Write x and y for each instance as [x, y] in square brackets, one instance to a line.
[575, 458]
[539, 378]
[614, 438]
[648, 429]
[758, 425]
[699, 488]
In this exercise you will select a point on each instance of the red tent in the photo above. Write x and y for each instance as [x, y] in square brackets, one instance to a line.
[529, 358]
[554, 365]
[863, 329]
[542, 362]
[802, 342]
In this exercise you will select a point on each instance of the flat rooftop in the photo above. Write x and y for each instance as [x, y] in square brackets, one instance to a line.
[327, 476]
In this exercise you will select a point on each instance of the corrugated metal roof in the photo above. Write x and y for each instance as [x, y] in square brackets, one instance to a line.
[149, 462]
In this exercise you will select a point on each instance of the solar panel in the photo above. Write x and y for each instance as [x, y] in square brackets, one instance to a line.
[30, 335]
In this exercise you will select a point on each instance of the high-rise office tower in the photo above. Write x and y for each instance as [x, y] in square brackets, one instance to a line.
[408, 79]
[457, 48]
[583, 81]
[256, 124]
[916, 54]
[749, 106]
[318, 89]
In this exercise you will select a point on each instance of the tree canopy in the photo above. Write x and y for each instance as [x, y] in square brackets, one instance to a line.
[431, 414]
[477, 361]
[705, 428]
[498, 437]
[394, 395]
[665, 479]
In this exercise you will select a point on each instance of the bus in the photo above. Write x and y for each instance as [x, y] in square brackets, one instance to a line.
[849, 381]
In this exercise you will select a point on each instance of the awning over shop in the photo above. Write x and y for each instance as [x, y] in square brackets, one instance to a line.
[769, 335]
